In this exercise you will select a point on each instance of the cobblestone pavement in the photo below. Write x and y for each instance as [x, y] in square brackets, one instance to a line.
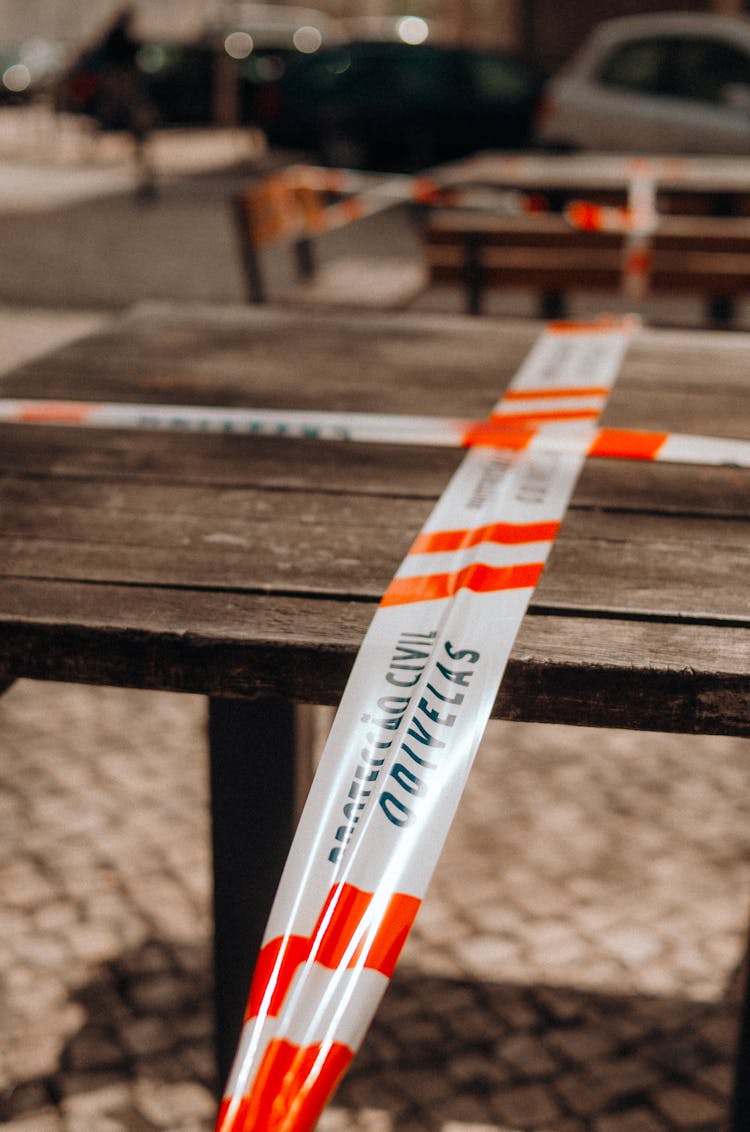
[574, 966]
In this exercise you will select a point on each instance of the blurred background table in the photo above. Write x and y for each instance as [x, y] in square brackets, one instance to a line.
[247, 568]
[717, 185]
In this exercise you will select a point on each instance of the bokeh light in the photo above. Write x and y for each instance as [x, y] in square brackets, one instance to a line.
[413, 29]
[17, 77]
[307, 39]
[238, 44]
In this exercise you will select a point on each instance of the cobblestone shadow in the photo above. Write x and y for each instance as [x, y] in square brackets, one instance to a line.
[468, 1054]
[142, 1056]
[572, 968]
[442, 1053]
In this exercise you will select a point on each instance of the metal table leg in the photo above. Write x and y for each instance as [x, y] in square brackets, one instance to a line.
[253, 794]
[740, 1110]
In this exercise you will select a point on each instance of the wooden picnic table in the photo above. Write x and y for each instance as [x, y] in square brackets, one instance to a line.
[714, 184]
[247, 568]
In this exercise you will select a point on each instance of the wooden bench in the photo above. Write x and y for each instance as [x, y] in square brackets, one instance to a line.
[707, 256]
[281, 212]
[704, 184]
[669, 201]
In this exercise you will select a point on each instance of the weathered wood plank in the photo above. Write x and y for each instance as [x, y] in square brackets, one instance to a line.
[171, 458]
[682, 382]
[638, 487]
[198, 354]
[206, 358]
[700, 391]
[613, 672]
[359, 496]
[347, 546]
[642, 549]
[367, 469]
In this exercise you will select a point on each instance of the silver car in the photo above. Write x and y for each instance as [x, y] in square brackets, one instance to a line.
[662, 83]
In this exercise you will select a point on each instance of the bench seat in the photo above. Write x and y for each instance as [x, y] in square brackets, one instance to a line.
[708, 256]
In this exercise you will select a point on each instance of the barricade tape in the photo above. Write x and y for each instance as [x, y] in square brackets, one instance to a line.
[401, 747]
[513, 430]
[298, 211]
[417, 189]
[290, 204]
[587, 216]
[638, 215]
[636, 221]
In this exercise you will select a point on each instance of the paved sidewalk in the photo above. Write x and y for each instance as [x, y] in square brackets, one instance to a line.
[573, 967]
[26, 331]
[75, 234]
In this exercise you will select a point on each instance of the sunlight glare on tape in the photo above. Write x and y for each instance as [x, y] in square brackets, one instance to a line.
[400, 749]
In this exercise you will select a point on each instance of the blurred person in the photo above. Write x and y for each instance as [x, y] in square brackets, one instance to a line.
[124, 102]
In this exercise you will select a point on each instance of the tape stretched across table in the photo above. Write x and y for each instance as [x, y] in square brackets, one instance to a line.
[636, 222]
[416, 189]
[291, 203]
[401, 747]
[512, 429]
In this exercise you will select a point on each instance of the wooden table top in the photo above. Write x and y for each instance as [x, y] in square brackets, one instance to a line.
[232, 565]
[601, 170]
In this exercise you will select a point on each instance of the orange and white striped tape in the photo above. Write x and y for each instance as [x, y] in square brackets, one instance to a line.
[412, 714]
[417, 189]
[639, 216]
[636, 221]
[290, 204]
[588, 216]
[566, 420]
[401, 747]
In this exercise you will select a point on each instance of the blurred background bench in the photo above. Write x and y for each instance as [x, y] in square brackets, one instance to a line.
[686, 255]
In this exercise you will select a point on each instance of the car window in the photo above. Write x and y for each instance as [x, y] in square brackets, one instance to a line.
[494, 79]
[637, 66]
[702, 69]
[386, 71]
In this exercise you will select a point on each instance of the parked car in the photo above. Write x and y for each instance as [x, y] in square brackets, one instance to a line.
[666, 82]
[399, 106]
[181, 77]
[278, 25]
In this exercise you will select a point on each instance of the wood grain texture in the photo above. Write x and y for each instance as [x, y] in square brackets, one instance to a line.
[563, 669]
[348, 546]
[238, 566]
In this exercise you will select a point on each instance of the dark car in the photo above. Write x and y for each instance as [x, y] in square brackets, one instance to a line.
[181, 80]
[399, 106]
